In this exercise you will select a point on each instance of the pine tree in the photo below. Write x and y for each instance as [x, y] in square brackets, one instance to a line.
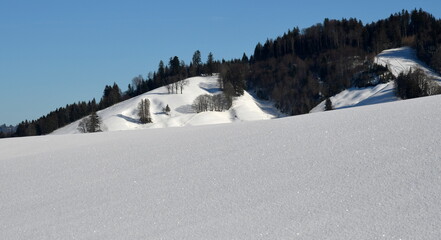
[210, 64]
[94, 123]
[174, 65]
[196, 64]
[328, 105]
[245, 58]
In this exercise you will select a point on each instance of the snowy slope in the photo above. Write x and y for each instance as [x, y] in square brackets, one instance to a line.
[352, 97]
[403, 59]
[314, 176]
[397, 60]
[123, 116]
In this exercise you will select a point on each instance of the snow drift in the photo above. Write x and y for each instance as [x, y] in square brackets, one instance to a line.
[372, 172]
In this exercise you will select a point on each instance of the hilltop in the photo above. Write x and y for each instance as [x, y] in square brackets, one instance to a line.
[124, 115]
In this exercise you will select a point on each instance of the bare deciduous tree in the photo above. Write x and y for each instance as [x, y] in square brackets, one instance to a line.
[206, 102]
[144, 111]
[182, 84]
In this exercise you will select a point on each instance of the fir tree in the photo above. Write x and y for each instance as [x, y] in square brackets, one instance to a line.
[210, 64]
[196, 64]
[328, 105]
[94, 123]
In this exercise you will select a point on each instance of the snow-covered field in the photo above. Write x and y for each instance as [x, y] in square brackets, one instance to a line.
[397, 60]
[123, 116]
[371, 172]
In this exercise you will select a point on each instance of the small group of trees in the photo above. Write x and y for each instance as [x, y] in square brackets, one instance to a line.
[6, 131]
[144, 111]
[111, 96]
[415, 84]
[232, 77]
[90, 124]
[171, 75]
[176, 86]
[207, 102]
[373, 75]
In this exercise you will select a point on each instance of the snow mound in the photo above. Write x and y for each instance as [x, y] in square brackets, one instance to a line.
[397, 60]
[359, 173]
[123, 116]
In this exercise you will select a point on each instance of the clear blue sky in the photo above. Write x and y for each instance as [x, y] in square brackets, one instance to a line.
[58, 52]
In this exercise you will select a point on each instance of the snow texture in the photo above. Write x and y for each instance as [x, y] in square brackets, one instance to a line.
[371, 172]
[123, 116]
[398, 60]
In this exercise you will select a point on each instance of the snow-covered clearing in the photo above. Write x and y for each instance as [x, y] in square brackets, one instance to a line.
[404, 59]
[123, 116]
[372, 172]
[397, 60]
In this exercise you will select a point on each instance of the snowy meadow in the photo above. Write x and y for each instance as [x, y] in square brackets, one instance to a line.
[371, 172]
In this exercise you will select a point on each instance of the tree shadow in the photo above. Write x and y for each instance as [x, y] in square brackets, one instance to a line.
[129, 119]
[386, 96]
[210, 87]
[401, 53]
[185, 109]
[159, 94]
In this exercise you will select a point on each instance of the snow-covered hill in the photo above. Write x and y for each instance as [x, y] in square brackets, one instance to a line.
[123, 116]
[372, 172]
[397, 60]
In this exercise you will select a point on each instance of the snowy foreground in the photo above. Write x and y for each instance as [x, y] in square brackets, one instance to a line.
[372, 172]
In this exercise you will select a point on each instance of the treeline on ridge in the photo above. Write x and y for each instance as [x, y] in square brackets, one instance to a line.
[302, 68]
[166, 75]
[297, 70]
